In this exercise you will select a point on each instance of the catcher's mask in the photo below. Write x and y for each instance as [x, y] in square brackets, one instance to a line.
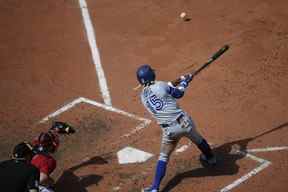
[48, 141]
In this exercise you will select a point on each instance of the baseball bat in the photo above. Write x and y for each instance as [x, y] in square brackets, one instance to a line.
[210, 60]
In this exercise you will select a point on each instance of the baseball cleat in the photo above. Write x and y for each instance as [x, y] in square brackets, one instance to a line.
[149, 189]
[211, 162]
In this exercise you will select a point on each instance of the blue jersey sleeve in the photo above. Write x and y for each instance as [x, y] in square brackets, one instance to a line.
[163, 88]
[178, 92]
[175, 92]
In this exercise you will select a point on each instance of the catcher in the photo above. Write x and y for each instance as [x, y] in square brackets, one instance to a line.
[45, 145]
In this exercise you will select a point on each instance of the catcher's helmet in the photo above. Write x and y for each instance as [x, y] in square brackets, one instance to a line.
[22, 150]
[145, 74]
[47, 141]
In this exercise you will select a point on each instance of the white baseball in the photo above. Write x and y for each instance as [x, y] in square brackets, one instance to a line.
[182, 15]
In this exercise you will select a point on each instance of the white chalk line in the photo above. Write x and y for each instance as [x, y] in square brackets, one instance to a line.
[242, 179]
[267, 149]
[95, 52]
[263, 164]
[144, 122]
[61, 110]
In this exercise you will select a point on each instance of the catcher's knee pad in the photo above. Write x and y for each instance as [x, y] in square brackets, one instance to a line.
[163, 157]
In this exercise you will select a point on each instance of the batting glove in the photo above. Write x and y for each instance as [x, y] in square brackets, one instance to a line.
[187, 78]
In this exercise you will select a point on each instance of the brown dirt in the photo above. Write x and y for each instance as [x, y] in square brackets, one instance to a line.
[46, 62]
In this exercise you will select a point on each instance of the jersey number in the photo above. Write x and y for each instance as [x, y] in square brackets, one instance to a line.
[156, 102]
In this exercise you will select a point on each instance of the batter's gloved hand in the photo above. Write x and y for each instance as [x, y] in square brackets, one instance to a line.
[62, 128]
[187, 78]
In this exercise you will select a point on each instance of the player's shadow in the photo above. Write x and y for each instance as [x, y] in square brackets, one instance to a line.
[68, 181]
[227, 160]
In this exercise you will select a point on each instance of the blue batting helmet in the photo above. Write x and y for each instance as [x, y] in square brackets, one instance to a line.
[145, 74]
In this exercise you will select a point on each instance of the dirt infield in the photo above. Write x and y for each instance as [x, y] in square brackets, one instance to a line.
[240, 101]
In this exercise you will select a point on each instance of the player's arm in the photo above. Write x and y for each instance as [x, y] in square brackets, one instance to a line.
[43, 177]
[47, 167]
[46, 180]
[178, 91]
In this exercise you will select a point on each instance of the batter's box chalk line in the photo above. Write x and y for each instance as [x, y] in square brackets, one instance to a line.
[262, 163]
[144, 122]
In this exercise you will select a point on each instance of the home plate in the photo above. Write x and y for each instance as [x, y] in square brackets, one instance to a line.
[132, 155]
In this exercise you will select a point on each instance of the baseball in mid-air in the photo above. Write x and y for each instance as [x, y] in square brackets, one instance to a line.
[183, 15]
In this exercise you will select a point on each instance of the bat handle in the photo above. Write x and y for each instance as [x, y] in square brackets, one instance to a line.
[178, 80]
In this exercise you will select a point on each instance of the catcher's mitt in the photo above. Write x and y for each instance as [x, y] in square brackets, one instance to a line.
[62, 128]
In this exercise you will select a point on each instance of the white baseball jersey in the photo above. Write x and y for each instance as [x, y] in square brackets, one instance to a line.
[160, 103]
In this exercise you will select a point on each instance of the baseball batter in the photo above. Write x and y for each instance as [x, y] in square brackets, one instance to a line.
[160, 99]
